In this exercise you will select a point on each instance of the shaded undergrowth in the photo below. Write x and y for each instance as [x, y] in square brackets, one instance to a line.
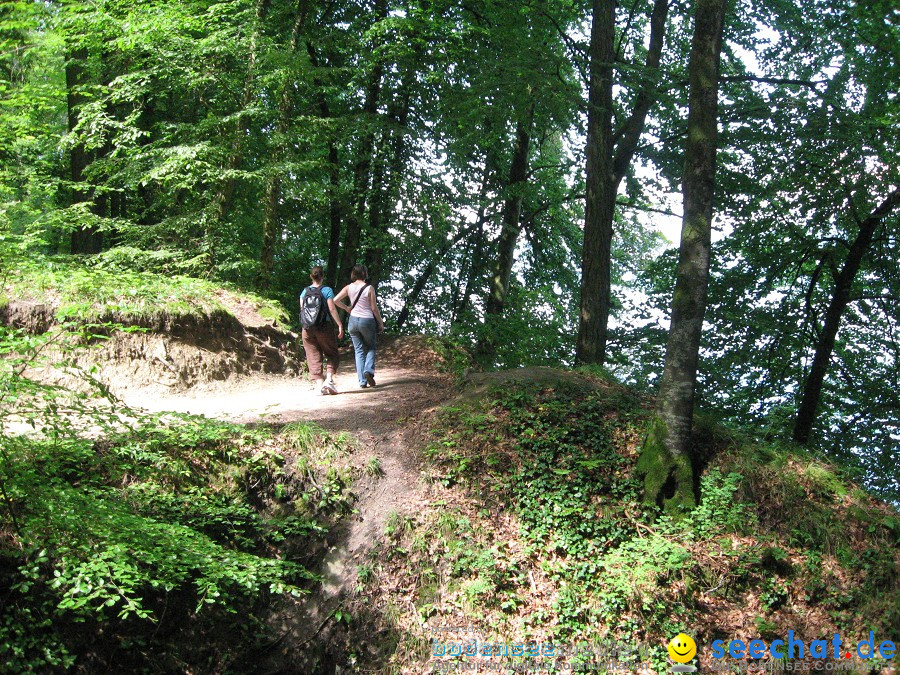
[146, 543]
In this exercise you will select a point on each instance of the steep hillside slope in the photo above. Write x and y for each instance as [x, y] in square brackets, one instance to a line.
[535, 533]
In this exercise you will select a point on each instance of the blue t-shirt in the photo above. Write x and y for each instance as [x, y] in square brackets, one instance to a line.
[327, 293]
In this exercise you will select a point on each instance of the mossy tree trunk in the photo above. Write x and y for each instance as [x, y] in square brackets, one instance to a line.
[666, 463]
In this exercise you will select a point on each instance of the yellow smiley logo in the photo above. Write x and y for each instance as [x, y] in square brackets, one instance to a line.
[682, 648]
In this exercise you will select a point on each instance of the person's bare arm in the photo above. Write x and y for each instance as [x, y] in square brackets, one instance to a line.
[337, 319]
[340, 296]
[374, 303]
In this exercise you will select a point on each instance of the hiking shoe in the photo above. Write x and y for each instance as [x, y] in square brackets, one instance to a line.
[370, 379]
[329, 389]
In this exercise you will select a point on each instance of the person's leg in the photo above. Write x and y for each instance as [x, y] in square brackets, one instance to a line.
[328, 344]
[371, 335]
[356, 337]
[313, 358]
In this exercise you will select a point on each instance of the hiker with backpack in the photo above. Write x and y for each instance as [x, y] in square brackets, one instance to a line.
[365, 322]
[318, 317]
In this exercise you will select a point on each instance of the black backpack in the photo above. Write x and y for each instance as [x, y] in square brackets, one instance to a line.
[313, 309]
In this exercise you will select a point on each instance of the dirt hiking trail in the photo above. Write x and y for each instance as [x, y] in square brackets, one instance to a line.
[389, 422]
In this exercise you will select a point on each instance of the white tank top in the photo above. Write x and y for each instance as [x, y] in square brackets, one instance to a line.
[362, 308]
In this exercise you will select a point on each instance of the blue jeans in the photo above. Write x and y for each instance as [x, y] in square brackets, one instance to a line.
[362, 333]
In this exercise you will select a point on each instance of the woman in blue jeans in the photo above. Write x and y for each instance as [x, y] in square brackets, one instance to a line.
[365, 322]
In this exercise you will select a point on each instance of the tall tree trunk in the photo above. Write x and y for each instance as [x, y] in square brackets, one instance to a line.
[600, 191]
[356, 215]
[608, 157]
[840, 298]
[273, 189]
[87, 239]
[665, 462]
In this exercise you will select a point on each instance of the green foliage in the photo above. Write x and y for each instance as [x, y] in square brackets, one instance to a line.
[455, 358]
[560, 457]
[104, 287]
[373, 467]
[99, 530]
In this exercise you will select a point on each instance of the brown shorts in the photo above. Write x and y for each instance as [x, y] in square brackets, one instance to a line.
[321, 341]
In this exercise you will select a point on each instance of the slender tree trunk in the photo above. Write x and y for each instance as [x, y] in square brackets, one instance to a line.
[273, 189]
[377, 198]
[462, 274]
[389, 185]
[512, 210]
[476, 265]
[608, 158]
[356, 215]
[419, 286]
[840, 298]
[665, 462]
[477, 262]
[334, 214]
[511, 228]
[628, 136]
[600, 189]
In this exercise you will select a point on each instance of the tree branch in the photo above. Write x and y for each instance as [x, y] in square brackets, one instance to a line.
[626, 139]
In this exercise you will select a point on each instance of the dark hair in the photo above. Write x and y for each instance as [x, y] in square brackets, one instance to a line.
[359, 273]
[317, 274]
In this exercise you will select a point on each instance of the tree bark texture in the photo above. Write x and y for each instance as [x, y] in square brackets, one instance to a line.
[665, 461]
[840, 298]
[608, 158]
[600, 196]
